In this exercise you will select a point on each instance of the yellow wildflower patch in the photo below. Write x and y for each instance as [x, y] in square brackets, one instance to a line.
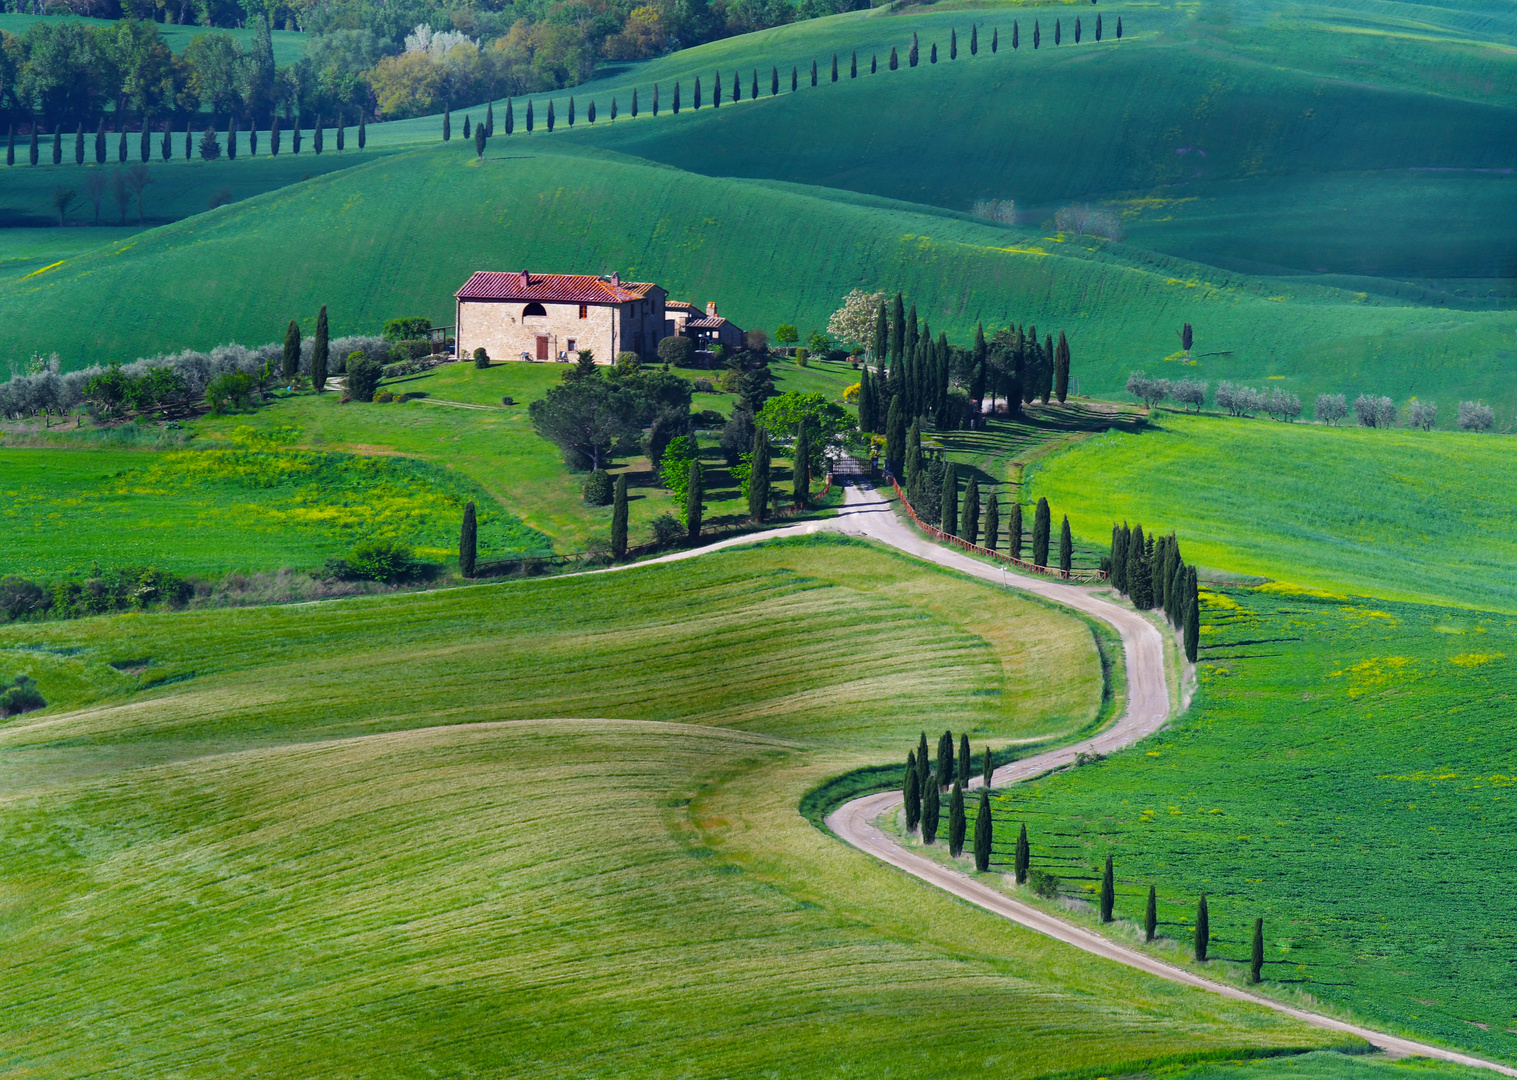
[1475, 659]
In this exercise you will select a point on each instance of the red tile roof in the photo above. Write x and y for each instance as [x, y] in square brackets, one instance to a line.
[679, 305]
[709, 323]
[559, 288]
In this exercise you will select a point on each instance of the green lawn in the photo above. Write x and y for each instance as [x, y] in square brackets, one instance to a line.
[545, 897]
[1401, 514]
[1346, 774]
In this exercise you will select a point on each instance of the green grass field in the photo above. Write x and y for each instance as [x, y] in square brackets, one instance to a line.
[1345, 774]
[1406, 515]
[543, 897]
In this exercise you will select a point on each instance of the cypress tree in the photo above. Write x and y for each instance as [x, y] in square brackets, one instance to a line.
[853, 65]
[774, 81]
[489, 120]
[1014, 531]
[120, 147]
[511, 116]
[1016, 36]
[897, 335]
[319, 351]
[987, 767]
[1066, 548]
[1151, 915]
[447, 125]
[58, 146]
[295, 133]
[953, 44]
[252, 138]
[983, 826]
[922, 769]
[716, 90]
[655, 99]
[1139, 582]
[291, 364]
[913, 53]
[479, 140]
[737, 87]
[166, 148]
[1117, 564]
[619, 518]
[1192, 626]
[966, 760]
[1203, 929]
[697, 104]
[550, 110]
[675, 106]
[913, 456]
[99, 144]
[1037, 34]
[589, 112]
[894, 60]
[1159, 569]
[874, 63]
[956, 823]
[1023, 856]
[1108, 892]
[834, 67]
[866, 402]
[911, 790]
[992, 522]
[895, 435]
[1256, 959]
[1077, 29]
[1098, 26]
[188, 143]
[813, 73]
[949, 521]
[273, 136]
[1057, 31]
[530, 117]
[34, 144]
[931, 806]
[794, 79]
[695, 492]
[1119, 28]
[231, 140]
[613, 111]
[1061, 368]
[571, 103]
[758, 477]
[933, 57]
[1042, 523]
[468, 542]
[79, 145]
[974, 39]
[318, 136]
[363, 135]
[801, 468]
[995, 36]
[969, 525]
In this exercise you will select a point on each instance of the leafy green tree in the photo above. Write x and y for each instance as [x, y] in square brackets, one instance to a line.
[1256, 954]
[291, 362]
[693, 505]
[1108, 892]
[468, 542]
[1041, 526]
[319, 351]
[1023, 856]
[992, 522]
[931, 807]
[619, 518]
[956, 822]
[586, 416]
[1151, 915]
[983, 830]
[1203, 929]
[949, 520]
[965, 761]
[1014, 531]
[758, 476]
[969, 525]
[1066, 547]
[911, 789]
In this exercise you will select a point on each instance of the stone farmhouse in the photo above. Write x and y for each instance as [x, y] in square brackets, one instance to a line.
[525, 316]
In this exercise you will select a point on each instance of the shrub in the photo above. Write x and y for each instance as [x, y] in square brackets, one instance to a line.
[22, 697]
[598, 489]
[406, 329]
[1043, 883]
[679, 351]
[383, 397]
[363, 379]
[20, 598]
[627, 363]
[410, 349]
[1476, 416]
[481, 358]
[231, 390]
[380, 560]
[732, 381]
[667, 529]
[707, 418]
[703, 386]
[802, 356]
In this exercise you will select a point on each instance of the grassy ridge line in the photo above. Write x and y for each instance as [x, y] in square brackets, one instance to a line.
[403, 233]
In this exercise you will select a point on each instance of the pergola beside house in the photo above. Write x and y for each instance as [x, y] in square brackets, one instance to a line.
[526, 316]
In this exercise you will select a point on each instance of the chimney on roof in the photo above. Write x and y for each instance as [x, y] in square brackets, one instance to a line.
[525, 279]
[616, 279]
[710, 309]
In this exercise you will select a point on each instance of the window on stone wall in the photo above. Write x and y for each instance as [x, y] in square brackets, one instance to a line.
[584, 311]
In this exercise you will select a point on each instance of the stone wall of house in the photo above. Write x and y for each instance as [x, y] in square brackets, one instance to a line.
[505, 333]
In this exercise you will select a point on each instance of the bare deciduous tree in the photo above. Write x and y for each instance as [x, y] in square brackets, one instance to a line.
[1476, 416]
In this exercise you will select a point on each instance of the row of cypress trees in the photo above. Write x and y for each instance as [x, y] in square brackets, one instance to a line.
[698, 98]
[1151, 573]
[923, 790]
[209, 144]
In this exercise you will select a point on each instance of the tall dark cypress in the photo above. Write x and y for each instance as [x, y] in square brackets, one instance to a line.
[966, 760]
[1077, 29]
[319, 350]
[550, 110]
[1042, 525]
[1203, 929]
[794, 79]
[511, 117]
[58, 145]
[1108, 892]
[166, 147]
[697, 100]
[995, 36]
[589, 111]
[1192, 626]
[933, 56]
[468, 542]
[983, 830]
[655, 99]
[619, 518]
[774, 81]
[737, 87]
[897, 334]
[79, 145]
[866, 402]
[571, 104]
[1061, 368]
[987, 767]
[813, 73]
[931, 806]
[489, 119]
[291, 359]
[1098, 26]
[874, 63]
[753, 90]
[911, 790]
[1256, 954]
[801, 468]
[953, 44]
[853, 66]
[1037, 34]
[1119, 28]
[895, 436]
[1117, 567]
[758, 477]
[992, 523]
[946, 770]
[949, 522]
[1023, 856]
[1014, 531]
[716, 90]
[922, 765]
[695, 493]
[231, 140]
[894, 60]
[273, 136]
[956, 822]
[447, 127]
[189, 131]
[99, 143]
[1016, 36]
[969, 521]
[834, 67]
[1151, 915]
[1066, 547]
[1139, 582]
[1058, 32]
[974, 39]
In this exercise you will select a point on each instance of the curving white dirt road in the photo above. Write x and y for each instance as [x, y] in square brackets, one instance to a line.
[866, 513]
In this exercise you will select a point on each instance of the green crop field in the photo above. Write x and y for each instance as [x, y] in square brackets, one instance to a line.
[1321, 1066]
[1402, 514]
[541, 896]
[1346, 773]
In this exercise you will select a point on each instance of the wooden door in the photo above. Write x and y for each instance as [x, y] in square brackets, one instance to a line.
[542, 346]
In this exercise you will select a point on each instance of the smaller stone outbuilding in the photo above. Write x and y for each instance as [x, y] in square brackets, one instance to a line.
[712, 330]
